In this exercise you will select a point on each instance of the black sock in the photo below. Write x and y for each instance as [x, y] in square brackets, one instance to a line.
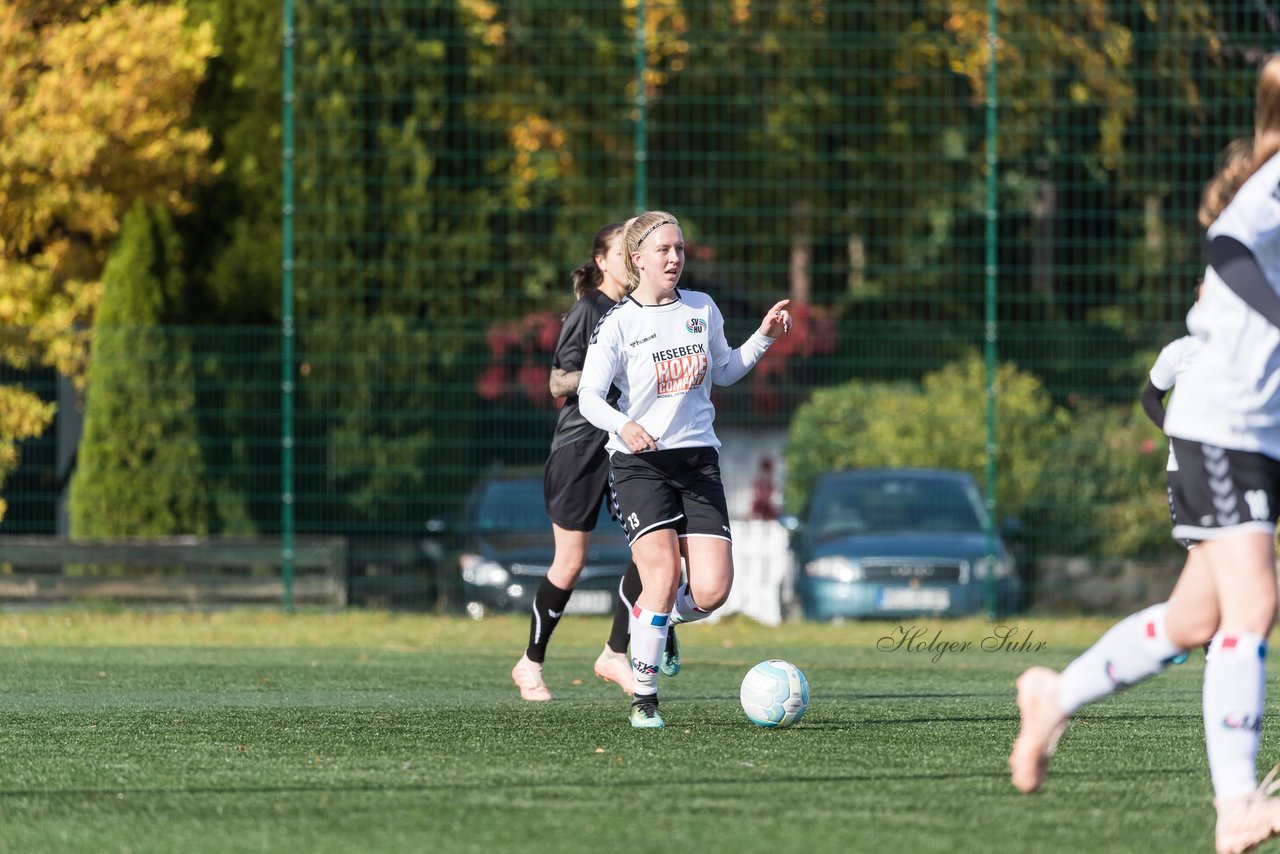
[628, 592]
[548, 607]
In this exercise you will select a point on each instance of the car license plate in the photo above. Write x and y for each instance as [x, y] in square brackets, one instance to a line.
[590, 602]
[914, 599]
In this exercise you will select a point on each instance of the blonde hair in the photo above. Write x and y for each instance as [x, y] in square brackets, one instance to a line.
[634, 233]
[1243, 157]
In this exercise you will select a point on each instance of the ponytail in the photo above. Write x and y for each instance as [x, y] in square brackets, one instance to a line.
[587, 277]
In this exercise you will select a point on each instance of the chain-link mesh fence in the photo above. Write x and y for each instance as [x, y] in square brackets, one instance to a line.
[930, 212]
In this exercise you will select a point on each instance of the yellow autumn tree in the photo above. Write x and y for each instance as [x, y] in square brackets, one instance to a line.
[95, 106]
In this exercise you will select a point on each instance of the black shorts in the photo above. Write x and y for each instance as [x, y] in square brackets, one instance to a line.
[678, 488]
[1171, 476]
[1217, 492]
[1173, 511]
[575, 481]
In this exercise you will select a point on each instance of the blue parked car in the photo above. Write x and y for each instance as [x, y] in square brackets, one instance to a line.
[888, 543]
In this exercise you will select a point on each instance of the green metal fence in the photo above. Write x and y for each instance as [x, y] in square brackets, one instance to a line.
[928, 203]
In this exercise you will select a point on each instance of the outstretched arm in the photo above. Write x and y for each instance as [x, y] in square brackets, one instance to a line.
[738, 363]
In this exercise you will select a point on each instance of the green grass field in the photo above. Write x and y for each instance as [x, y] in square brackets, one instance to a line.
[256, 731]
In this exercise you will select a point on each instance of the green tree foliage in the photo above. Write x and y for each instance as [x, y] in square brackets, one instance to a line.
[94, 103]
[940, 423]
[232, 236]
[22, 416]
[140, 470]
[1084, 481]
[1095, 100]
[453, 159]
[232, 260]
[1103, 490]
[425, 167]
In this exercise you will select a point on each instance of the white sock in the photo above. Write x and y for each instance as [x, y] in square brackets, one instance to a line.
[648, 639]
[1133, 649]
[1235, 691]
[686, 610]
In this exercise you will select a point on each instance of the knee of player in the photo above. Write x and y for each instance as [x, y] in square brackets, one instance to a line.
[710, 595]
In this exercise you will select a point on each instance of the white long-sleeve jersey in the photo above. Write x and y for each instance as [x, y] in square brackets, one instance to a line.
[664, 358]
[1230, 395]
[1174, 361]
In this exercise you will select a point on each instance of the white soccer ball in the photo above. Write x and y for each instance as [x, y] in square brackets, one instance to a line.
[774, 694]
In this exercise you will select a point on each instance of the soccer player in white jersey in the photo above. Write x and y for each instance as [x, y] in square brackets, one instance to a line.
[1224, 424]
[575, 481]
[1174, 360]
[664, 348]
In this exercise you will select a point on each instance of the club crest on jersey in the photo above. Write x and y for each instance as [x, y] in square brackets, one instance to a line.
[696, 325]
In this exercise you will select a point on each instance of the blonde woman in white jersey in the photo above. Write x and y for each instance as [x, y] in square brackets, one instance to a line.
[1224, 424]
[664, 348]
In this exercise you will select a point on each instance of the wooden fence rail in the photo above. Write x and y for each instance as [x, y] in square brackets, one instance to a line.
[190, 570]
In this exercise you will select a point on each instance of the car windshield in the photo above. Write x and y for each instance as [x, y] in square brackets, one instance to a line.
[877, 505]
[511, 505]
[517, 505]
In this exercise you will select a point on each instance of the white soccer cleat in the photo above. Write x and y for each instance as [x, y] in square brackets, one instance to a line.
[1043, 723]
[528, 678]
[616, 667]
[1248, 821]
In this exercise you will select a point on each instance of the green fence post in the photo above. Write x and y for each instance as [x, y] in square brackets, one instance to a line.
[641, 110]
[990, 327]
[286, 323]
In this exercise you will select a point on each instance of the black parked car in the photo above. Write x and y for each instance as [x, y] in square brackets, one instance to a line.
[502, 546]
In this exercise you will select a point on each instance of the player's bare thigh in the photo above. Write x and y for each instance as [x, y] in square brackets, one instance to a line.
[657, 557]
[1243, 568]
[710, 564]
